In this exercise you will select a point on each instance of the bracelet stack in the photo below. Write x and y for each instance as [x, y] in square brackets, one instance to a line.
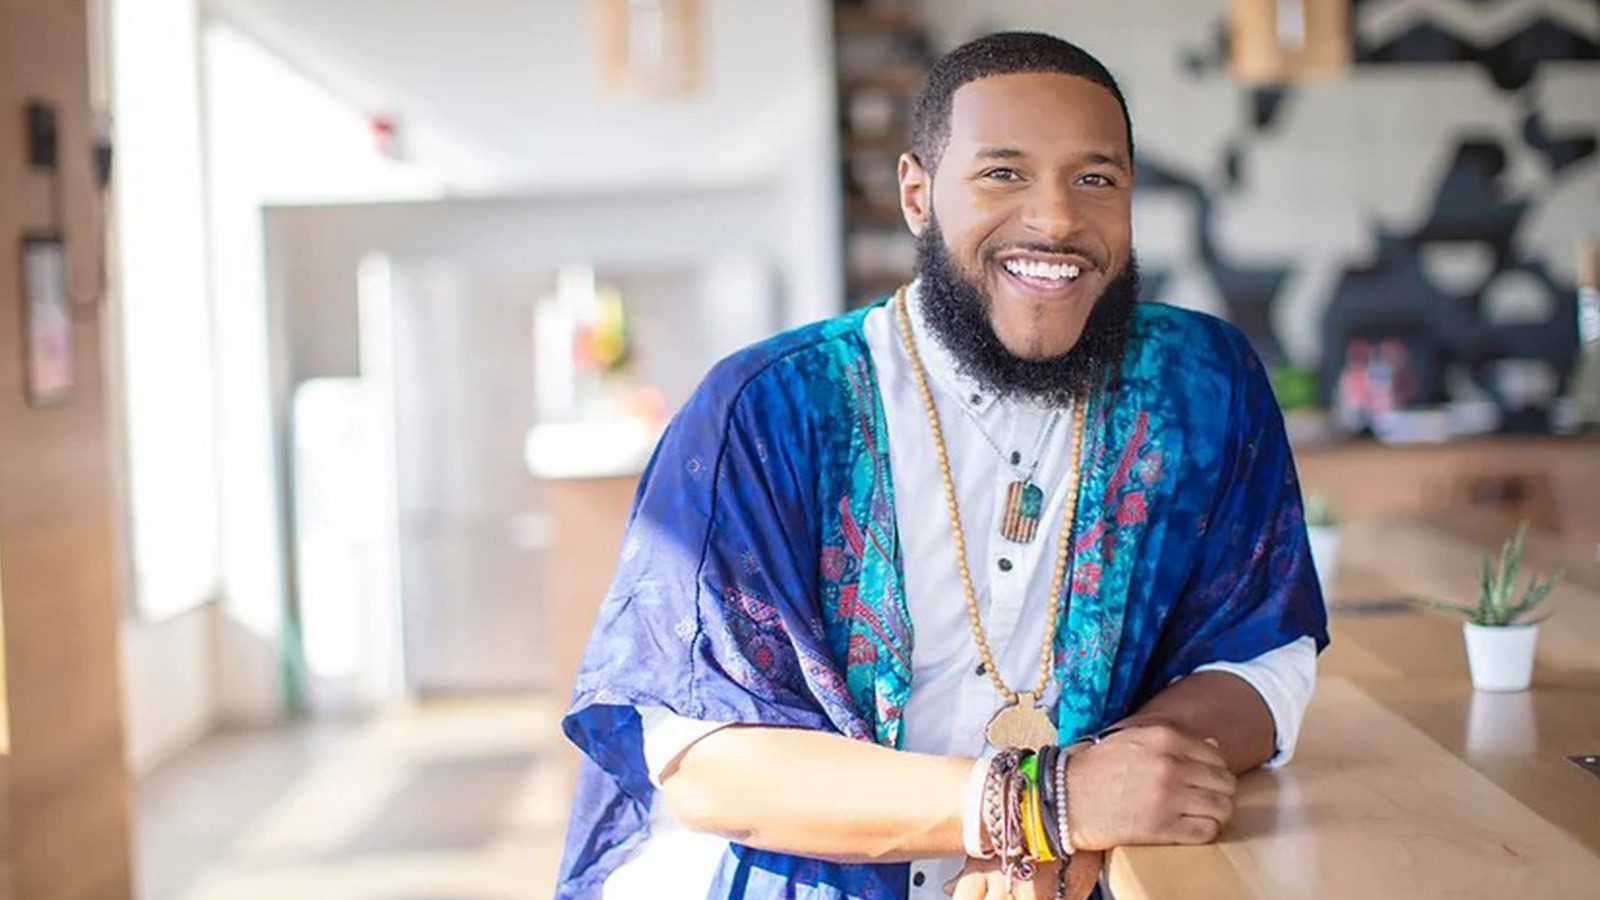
[1023, 809]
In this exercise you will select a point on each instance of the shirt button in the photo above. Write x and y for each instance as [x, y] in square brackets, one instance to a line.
[918, 879]
[1005, 564]
[976, 399]
[1016, 458]
[982, 669]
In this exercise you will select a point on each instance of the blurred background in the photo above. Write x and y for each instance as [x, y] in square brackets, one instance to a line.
[338, 333]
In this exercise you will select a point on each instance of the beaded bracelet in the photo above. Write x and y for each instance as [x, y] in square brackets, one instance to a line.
[1064, 835]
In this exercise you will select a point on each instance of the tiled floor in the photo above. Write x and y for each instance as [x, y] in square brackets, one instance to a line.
[456, 801]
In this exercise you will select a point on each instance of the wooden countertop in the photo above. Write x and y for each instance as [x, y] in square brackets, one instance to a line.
[1407, 783]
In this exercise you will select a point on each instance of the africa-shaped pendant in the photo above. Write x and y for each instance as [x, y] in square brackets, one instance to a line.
[1020, 725]
[1024, 505]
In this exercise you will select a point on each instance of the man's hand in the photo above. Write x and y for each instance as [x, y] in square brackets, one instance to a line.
[981, 880]
[1148, 784]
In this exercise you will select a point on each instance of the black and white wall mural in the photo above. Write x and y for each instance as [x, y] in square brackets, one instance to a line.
[1433, 195]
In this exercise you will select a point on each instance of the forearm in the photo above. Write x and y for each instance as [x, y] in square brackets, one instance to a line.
[819, 795]
[1216, 705]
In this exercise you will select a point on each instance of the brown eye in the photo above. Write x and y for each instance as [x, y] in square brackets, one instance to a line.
[1003, 174]
[1095, 179]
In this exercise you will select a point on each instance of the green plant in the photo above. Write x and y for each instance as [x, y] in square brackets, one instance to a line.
[1498, 605]
[1294, 386]
[1320, 511]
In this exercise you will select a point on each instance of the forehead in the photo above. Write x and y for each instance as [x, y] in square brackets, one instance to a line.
[1038, 112]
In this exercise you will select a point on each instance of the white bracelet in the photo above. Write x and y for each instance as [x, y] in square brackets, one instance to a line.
[1060, 775]
[972, 810]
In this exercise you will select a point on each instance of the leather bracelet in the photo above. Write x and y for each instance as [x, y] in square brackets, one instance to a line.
[1050, 794]
[994, 798]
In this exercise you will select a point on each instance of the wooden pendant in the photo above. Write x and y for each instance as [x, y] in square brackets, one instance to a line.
[1024, 505]
[1020, 726]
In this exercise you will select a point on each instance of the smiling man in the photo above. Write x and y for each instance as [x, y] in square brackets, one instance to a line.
[952, 593]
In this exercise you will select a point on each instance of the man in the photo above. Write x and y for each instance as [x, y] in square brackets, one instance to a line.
[868, 551]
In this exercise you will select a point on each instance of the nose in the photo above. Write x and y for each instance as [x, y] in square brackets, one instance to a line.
[1052, 210]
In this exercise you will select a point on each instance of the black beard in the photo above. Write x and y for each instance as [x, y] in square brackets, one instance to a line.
[956, 309]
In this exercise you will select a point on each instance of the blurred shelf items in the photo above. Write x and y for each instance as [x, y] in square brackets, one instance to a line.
[594, 416]
[1429, 373]
[882, 51]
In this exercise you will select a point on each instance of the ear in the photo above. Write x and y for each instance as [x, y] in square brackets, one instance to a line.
[916, 193]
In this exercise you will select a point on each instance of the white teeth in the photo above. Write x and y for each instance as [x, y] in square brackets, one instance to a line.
[1034, 269]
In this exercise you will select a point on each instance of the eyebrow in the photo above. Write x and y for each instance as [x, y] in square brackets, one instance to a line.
[1107, 159]
[1095, 158]
[1000, 153]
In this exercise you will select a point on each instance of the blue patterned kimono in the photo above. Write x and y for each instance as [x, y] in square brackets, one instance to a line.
[760, 578]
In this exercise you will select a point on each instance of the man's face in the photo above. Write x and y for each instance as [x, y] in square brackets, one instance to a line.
[1033, 197]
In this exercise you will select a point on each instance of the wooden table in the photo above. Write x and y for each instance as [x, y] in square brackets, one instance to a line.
[1408, 784]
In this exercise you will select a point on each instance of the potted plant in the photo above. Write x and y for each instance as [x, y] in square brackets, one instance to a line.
[1499, 635]
[1304, 419]
[1322, 528]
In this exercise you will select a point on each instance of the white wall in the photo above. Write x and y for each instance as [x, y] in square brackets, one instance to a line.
[166, 685]
[315, 250]
[159, 354]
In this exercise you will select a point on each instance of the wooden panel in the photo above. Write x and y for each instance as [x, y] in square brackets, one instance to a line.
[590, 515]
[63, 784]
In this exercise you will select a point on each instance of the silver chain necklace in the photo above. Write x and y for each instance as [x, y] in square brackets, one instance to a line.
[1024, 499]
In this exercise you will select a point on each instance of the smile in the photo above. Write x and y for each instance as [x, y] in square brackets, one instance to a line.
[1045, 278]
[1056, 273]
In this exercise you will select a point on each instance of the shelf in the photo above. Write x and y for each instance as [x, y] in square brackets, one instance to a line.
[859, 211]
[878, 146]
[878, 18]
[906, 80]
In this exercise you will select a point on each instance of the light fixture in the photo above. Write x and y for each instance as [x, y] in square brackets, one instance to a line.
[649, 48]
[1277, 41]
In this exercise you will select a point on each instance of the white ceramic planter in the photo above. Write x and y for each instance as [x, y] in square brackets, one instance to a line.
[1325, 555]
[1501, 658]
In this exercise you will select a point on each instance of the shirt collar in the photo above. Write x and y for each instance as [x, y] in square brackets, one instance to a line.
[940, 363]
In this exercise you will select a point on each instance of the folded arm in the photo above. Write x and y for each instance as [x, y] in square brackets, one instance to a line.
[819, 795]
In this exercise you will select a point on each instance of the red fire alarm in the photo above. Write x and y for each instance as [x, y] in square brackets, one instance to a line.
[386, 136]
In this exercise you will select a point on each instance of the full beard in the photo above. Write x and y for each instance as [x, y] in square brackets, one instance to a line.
[957, 311]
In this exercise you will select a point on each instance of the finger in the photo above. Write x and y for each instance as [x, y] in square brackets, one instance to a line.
[1210, 804]
[1082, 875]
[1042, 886]
[1211, 778]
[1205, 751]
[1195, 830]
[968, 886]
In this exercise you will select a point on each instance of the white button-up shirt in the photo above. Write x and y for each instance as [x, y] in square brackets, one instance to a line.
[951, 699]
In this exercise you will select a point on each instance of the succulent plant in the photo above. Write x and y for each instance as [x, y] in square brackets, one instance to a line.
[1498, 603]
[1320, 511]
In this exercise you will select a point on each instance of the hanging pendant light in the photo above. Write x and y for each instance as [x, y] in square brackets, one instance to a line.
[650, 48]
[1278, 41]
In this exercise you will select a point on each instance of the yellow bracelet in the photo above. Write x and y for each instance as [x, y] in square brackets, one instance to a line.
[1033, 824]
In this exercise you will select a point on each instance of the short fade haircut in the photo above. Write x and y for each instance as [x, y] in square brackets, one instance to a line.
[1002, 53]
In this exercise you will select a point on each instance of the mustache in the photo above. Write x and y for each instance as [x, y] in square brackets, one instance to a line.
[1048, 248]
